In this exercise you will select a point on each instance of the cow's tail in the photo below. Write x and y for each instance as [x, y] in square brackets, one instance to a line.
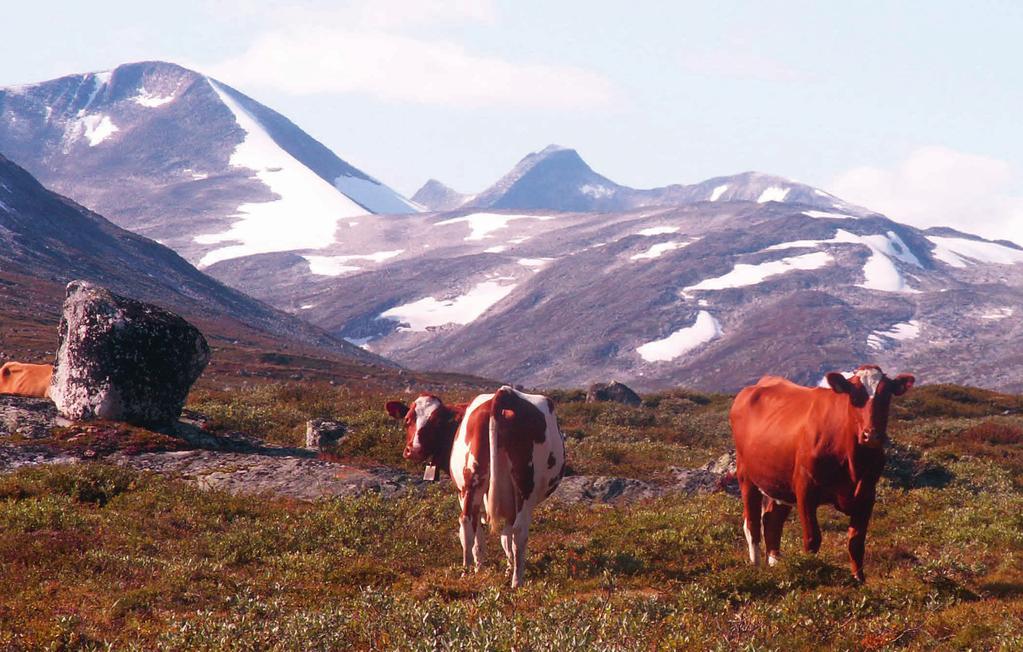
[494, 488]
[500, 471]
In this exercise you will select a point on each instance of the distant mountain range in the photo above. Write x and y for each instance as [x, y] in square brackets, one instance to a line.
[184, 159]
[557, 178]
[553, 276]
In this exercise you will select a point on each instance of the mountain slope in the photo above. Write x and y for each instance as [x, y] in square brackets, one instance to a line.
[176, 156]
[710, 295]
[49, 237]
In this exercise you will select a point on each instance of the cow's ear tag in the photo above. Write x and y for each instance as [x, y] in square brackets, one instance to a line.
[430, 474]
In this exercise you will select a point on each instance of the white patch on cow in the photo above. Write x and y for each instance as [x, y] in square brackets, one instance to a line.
[754, 549]
[870, 378]
[424, 407]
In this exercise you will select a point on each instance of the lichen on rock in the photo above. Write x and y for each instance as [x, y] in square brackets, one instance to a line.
[123, 359]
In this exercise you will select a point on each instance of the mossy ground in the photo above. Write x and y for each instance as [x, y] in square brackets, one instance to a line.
[97, 557]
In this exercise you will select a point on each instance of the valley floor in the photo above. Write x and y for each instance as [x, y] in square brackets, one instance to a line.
[96, 555]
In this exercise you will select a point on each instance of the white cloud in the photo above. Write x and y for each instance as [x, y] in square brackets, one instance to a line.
[938, 186]
[379, 49]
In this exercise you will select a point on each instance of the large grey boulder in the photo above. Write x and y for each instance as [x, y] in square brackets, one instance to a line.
[123, 360]
[612, 391]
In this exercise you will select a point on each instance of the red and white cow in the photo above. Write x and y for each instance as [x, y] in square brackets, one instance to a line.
[807, 447]
[504, 452]
[24, 379]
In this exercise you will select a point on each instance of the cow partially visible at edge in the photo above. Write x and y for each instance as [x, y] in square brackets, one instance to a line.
[505, 454]
[806, 447]
[23, 379]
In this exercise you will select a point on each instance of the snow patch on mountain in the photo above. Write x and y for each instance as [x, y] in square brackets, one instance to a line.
[880, 271]
[98, 128]
[657, 230]
[658, 249]
[596, 191]
[718, 191]
[535, 263]
[773, 193]
[305, 214]
[743, 275]
[961, 252]
[336, 265]
[481, 225]
[151, 100]
[428, 313]
[682, 341]
[829, 214]
[998, 314]
[881, 340]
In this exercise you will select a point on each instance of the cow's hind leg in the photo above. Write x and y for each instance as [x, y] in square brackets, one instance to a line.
[773, 516]
[519, 540]
[469, 528]
[506, 544]
[751, 506]
[479, 547]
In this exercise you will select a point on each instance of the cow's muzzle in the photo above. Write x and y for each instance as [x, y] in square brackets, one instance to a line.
[872, 439]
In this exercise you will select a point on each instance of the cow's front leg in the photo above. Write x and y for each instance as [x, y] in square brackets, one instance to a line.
[858, 532]
[751, 512]
[806, 503]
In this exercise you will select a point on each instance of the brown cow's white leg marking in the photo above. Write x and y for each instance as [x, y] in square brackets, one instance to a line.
[754, 547]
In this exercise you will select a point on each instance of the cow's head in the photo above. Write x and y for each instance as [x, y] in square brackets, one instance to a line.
[426, 422]
[870, 393]
[6, 372]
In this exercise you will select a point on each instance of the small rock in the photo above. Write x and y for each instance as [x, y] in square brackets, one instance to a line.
[123, 360]
[613, 391]
[320, 433]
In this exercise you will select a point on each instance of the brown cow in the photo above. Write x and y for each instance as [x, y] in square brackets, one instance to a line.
[25, 379]
[505, 454]
[807, 447]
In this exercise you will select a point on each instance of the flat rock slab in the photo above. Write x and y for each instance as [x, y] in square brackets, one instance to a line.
[304, 478]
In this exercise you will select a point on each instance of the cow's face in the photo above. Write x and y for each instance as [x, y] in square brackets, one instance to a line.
[423, 423]
[870, 392]
[6, 377]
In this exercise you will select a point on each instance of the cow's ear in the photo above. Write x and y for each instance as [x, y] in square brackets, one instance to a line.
[902, 384]
[396, 409]
[840, 383]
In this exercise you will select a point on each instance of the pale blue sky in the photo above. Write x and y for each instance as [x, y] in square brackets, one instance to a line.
[911, 108]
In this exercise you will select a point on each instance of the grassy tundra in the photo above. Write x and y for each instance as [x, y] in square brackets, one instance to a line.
[95, 556]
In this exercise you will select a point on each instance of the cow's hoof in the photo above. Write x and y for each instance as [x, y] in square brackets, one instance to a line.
[859, 578]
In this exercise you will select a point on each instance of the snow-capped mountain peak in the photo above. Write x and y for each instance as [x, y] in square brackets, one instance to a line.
[175, 155]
